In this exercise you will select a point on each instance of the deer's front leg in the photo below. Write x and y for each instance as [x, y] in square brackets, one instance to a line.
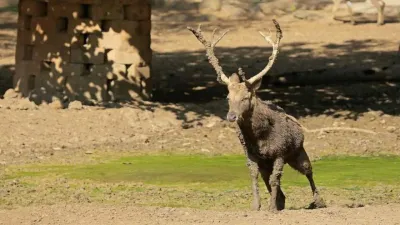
[381, 11]
[335, 7]
[275, 182]
[254, 172]
[350, 11]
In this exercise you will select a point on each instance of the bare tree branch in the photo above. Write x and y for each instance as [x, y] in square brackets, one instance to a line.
[275, 52]
[209, 45]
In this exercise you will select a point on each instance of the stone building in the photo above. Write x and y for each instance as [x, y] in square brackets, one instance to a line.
[87, 50]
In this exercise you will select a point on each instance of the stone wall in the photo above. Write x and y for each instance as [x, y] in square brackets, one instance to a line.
[86, 50]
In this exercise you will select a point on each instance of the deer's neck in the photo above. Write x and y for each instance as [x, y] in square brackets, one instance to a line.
[255, 121]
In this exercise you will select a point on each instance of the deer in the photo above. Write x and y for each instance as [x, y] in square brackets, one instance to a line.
[378, 4]
[270, 138]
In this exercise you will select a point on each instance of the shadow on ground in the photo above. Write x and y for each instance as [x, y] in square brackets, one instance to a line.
[187, 77]
[348, 78]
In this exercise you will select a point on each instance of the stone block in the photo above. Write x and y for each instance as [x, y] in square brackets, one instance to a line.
[33, 7]
[48, 86]
[88, 55]
[60, 39]
[138, 73]
[144, 28]
[122, 89]
[142, 78]
[120, 41]
[87, 88]
[66, 69]
[137, 12]
[50, 81]
[68, 10]
[48, 52]
[43, 24]
[84, 26]
[25, 37]
[25, 75]
[137, 58]
[131, 87]
[24, 52]
[130, 27]
[107, 11]
[24, 22]
[110, 71]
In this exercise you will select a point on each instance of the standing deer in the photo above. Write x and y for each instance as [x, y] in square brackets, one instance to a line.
[269, 136]
[378, 4]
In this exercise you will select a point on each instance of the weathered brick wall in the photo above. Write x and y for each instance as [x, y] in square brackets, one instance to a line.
[87, 50]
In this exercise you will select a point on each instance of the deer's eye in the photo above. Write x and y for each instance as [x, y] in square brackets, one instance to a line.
[245, 99]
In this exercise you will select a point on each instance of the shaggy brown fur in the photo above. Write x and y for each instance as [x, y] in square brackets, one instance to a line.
[270, 137]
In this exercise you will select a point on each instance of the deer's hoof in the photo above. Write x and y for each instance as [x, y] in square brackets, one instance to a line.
[273, 209]
[318, 203]
[280, 201]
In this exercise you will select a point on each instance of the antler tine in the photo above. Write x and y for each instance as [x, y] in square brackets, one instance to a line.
[216, 42]
[213, 34]
[212, 59]
[242, 74]
[275, 52]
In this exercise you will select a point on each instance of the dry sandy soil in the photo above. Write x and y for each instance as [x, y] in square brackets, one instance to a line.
[41, 134]
[105, 214]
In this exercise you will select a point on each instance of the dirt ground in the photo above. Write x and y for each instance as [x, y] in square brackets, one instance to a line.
[106, 214]
[191, 119]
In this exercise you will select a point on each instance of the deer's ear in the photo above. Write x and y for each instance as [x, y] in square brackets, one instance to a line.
[254, 86]
[234, 78]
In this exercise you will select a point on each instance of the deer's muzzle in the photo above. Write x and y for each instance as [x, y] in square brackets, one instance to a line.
[231, 117]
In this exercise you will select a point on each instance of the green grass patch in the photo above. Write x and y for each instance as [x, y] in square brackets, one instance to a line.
[220, 171]
[198, 180]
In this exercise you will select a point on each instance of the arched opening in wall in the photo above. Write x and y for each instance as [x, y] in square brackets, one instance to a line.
[62, 24]
[31, 82]
[86, 8]
[27, 21]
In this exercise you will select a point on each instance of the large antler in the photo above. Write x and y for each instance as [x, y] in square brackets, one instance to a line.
[275, 52]
[222, 78]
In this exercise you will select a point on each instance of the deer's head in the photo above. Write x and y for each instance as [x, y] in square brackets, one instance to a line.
[242, 91]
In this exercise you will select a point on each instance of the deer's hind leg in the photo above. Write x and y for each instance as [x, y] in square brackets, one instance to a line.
[275, 182]
[301, 163]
